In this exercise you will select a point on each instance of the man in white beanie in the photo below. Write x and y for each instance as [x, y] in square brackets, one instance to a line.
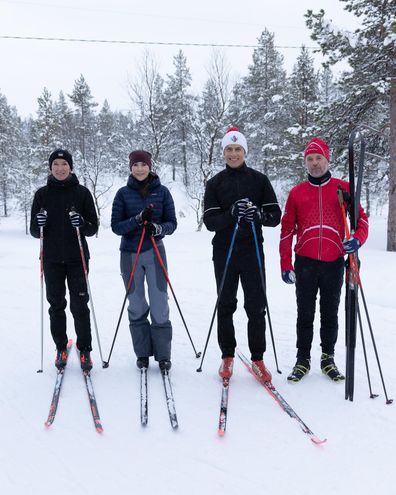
[240, 194]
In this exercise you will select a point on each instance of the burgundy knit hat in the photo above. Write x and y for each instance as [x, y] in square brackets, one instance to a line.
[140, 156]
[317, 145]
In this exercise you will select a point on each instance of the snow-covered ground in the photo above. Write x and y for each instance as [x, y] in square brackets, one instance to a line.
[263, 451]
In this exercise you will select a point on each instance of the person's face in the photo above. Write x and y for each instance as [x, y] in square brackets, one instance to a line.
[60, 169]
[140, 170]
[234, 155]
[316, 164]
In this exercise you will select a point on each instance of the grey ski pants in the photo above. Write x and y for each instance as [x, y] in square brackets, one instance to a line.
[148, 339]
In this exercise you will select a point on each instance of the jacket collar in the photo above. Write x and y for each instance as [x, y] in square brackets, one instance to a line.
[320, 181]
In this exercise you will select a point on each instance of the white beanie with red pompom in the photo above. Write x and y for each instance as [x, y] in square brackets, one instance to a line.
[233, 136]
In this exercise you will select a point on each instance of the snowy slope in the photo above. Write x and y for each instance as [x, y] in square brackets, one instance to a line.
[263, 448]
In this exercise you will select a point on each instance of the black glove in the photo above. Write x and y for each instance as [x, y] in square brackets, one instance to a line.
[239, 207]
[252, 214]
[351, 245]
[41, 218]
[153, 229]
[76, 219]
[144, 216]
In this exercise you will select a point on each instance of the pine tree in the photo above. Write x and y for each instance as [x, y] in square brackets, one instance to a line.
[260, 109]
[9, 144]
[303, 96]
[83, 101]
[181, 108]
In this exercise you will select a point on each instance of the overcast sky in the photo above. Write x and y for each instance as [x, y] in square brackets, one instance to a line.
[27, 66]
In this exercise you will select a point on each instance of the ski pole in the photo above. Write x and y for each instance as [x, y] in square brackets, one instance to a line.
[106, 363]
[261, 269]
[219, 292]
[84, 264]
[197, 354]
[41, 294]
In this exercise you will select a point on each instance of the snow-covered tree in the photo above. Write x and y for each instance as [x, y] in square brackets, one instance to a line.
[154, 121]
[181, 108]
[209, 127]
[83, 100]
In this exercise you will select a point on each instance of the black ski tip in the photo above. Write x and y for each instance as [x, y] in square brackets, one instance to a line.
[105, 364]
[39, 371]
[199, 369]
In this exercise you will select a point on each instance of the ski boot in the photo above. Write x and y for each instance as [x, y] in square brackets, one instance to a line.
[329, 368]
[226, 367]
[85, 360]
[164, 365]
[261, 371]
[61, 359]
[301, 368]
[142, 362]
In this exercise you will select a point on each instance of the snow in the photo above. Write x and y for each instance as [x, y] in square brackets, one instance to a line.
[263, 450]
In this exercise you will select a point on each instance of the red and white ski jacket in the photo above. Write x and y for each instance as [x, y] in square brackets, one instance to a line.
[313, 213]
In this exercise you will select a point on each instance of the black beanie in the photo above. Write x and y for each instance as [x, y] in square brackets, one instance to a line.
[59, 153]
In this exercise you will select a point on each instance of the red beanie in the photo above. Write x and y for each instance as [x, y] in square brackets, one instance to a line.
[140, 156]
[317, 145]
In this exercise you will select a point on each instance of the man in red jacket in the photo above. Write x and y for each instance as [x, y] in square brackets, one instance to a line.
[313, 214]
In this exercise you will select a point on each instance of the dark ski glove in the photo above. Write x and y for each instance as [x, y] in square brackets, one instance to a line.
[238, 209]
[351, 245]
[76, 219]
[289, 277]
[252, 214]
[41, 218]
[144, 216]
[153, 229]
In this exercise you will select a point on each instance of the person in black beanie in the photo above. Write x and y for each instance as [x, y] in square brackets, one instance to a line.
[59, 208]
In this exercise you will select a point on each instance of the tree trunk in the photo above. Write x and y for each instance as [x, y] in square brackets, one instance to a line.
[391, 244]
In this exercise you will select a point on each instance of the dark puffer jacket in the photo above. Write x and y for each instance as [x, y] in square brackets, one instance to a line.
[224, 189]
[60, 238]
[130, 201]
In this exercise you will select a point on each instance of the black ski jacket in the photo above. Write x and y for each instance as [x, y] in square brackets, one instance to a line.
[223, 190]
[60, 237]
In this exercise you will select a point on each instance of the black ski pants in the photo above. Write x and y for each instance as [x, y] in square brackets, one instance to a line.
[325, 277]
[56, 275]
[243, 266]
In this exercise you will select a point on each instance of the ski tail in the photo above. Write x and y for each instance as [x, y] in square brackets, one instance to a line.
[224, 407]
[170, 401]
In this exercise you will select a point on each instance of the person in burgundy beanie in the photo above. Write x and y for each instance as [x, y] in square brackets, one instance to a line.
[145, 204]
[313, 214]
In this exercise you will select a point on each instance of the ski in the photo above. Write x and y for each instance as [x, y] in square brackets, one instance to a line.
[280, 400]
[143, 397]
[92, 398]
[224, 407]
[351, 286]
[57, 391]
[170, 401]
[92, 401]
